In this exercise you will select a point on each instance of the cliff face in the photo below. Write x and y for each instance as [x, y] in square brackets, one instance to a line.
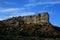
[39, 19]
[42, 19]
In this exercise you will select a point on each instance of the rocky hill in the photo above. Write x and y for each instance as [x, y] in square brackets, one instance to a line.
[28, 26]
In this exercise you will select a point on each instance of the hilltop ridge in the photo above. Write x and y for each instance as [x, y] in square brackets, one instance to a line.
[36, 19]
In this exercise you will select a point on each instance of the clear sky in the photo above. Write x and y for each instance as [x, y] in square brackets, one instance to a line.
[9, 8]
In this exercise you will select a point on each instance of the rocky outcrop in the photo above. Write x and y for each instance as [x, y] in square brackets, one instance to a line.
[42, 19]
[28, 26]
[39, 19]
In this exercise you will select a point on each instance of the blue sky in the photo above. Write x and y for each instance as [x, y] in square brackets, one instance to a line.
[10, 8]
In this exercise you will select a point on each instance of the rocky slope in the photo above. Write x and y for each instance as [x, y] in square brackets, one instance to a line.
[28, 26]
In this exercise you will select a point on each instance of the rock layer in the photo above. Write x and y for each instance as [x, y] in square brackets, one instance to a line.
[40, 18]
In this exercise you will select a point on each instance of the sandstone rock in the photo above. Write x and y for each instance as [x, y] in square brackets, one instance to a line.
[39, 19]
[42, 19]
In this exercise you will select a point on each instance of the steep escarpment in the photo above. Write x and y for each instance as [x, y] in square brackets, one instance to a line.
[28, 26]
[42, 19]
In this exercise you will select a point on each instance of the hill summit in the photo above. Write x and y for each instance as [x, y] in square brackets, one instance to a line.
[42, 19]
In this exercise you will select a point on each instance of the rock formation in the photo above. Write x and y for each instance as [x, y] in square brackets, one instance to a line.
[42, 19]
[39, 19]
[28, 26]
